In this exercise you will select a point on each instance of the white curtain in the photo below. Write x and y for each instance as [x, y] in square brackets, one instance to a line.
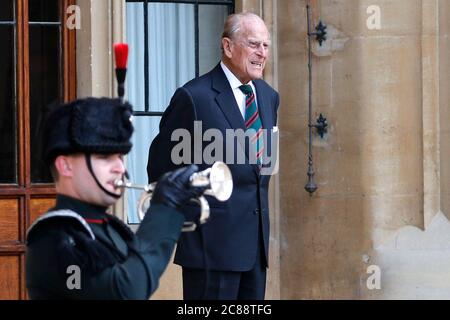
[171, 64]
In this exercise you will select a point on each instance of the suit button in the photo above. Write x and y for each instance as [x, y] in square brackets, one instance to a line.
[256, 211]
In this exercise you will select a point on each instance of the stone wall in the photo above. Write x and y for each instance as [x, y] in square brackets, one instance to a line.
[379, 167]
[380, 216]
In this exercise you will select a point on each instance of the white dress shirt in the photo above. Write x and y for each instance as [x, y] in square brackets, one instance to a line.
[235, 84]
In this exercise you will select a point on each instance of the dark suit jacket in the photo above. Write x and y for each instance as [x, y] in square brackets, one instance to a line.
[231, 234]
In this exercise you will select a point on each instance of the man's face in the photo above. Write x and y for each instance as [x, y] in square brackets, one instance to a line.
[247, 52]
[107, 168]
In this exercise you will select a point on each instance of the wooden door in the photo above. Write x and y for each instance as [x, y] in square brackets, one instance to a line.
[37, 69]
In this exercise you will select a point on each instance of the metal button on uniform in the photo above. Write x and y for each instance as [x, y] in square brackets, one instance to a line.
[256, 211]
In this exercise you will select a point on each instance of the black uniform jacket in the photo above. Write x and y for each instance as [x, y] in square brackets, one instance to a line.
[78, 251]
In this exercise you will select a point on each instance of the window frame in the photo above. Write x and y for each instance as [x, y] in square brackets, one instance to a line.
[68, 77]
[25, 200]
[231, 7]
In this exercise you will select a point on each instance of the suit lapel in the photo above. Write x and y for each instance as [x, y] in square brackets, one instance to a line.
[227, 103]
[226, 100]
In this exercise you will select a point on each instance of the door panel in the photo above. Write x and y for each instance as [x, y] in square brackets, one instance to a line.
[39, 206]
[9, 221]
[10, 268]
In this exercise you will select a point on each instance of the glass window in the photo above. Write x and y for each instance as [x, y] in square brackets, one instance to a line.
[170, 53]
[171, 42]
[210, 32]
[137, 165]
[45, 77]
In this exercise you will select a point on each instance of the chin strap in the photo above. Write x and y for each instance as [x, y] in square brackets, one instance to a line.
[89, 165]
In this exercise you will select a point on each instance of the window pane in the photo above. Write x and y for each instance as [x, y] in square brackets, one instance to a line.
[6, 10]
[171, 51]
[43, 10]
[146, 129]
[135, 73]
[8, 150]
[211, 21]
[45, 88]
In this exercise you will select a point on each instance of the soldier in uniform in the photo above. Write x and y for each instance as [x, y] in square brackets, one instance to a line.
[79, 251]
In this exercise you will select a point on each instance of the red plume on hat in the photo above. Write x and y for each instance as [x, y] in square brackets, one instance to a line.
[121, 55]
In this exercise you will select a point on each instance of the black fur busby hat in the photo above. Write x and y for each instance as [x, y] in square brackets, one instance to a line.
[89, 125]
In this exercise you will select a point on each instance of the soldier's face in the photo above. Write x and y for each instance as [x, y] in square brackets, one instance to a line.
[107, 168]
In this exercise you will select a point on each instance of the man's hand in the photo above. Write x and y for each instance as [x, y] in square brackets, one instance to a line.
[174, 188]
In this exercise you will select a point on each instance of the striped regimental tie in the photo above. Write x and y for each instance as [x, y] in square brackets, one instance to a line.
[252, 121]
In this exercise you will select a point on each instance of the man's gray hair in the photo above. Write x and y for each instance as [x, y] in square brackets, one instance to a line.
[233, 24]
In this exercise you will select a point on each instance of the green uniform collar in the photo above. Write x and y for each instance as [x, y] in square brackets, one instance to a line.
[84, 209]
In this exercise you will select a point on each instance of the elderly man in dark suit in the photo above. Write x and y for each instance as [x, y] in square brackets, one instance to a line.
[228, 257]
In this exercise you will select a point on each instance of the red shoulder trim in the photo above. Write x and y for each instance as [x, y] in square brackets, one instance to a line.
[95, 221]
